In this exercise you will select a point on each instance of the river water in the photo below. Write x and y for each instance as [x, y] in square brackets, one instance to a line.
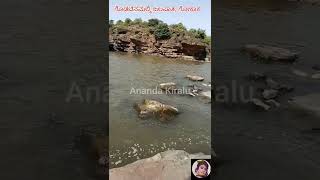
[132, 138]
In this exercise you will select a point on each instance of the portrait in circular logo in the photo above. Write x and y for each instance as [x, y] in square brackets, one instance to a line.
[201, 168]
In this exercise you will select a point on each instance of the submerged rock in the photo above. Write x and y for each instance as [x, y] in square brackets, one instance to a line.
[269, 93]
[195, 78]
[206, 94]
[259, 103]
[285, 88]
[270, 53]
[273, 103]
[255, 76]
[316, 76]
[172, 164]
[168, 86]
[299, 73]
[192, 94]
[272, 83]
[206, 85]
[150, 108]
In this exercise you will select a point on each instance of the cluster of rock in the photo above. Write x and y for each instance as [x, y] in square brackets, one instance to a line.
[171, 164]
[152, 108]
[272, 90]
[267, 97]
[136, 39]
[193, 90]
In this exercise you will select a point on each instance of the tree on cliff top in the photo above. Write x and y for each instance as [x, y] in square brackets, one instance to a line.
[127, 21]
[178, 29]
[207, 40]
[154, 22]
[111, 23]
[137, 21]
[119, 22]
[162, 31]
[198, 33]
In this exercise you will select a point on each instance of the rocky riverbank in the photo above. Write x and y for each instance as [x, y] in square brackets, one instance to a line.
[171, 164]
[173, 41]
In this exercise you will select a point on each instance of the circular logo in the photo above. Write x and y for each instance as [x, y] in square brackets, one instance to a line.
[201, 168]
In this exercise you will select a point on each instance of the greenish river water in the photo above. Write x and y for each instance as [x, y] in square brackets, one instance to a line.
[132, 138]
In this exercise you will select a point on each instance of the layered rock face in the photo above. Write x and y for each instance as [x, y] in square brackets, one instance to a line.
[139, 40]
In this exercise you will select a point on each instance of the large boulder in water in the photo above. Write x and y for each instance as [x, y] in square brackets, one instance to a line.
[270, 53]
[172, 164]
[150, 108]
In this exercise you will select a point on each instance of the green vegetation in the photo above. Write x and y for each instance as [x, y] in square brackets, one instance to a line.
[137, 21]
[127, 21]
[198, 33]
[207, 40]
[154, 22]
[119, 22]
[111, 23]
[160, 29]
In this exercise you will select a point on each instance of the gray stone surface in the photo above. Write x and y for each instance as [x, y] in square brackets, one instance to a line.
[270, 53]
[310, 103]
[168, 165]
[195, 78]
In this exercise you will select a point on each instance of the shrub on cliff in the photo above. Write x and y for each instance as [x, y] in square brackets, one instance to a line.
[111, 23]
[154, 22]
[137, 21]
[207, 40]
[119, 22]
[178, 29]
[127, 21]
[162, 31]
[198, 33]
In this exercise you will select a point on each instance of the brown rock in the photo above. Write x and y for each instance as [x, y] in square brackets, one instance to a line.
[150, 108]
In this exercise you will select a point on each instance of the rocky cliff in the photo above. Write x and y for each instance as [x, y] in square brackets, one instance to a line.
[136, 39]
